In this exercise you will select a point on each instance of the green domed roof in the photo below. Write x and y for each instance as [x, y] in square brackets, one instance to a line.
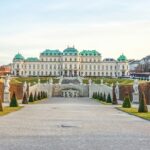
[122, 58]
[18, 57]
[70, 51]
[90, 53]
[32, 59]
[48, 52]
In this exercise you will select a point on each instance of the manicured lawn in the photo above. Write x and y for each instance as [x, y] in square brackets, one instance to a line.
[97, 80]
[8, 110]
[20, 80]
[134, 111]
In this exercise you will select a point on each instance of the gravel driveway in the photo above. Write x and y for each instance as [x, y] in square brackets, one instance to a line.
[73, 124]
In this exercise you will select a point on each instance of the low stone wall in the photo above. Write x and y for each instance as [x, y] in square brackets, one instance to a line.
[40, 87]
[100, 88]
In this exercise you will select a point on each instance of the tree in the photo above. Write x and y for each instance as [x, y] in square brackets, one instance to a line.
[142, 104]
[39, 96]
[25, 100]
[1, 105]
[31, 97]
[35, 96]
[104, 97]
[13, 102]
[46, 96]
[114, 102]
[126, 102]
[109, 98]
[101, 97]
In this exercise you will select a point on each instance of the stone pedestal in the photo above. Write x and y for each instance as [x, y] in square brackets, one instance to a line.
[135, 98]
[6, 97]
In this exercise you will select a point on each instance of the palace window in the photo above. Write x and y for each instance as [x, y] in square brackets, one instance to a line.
[106, 67]
[102, 67]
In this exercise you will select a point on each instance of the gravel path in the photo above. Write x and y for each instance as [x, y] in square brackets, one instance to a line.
[73, 124]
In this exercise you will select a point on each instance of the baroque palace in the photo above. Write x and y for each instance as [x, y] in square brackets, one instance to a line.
[70, 63]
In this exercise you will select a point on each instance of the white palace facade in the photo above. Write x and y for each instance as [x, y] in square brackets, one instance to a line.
[70, 63]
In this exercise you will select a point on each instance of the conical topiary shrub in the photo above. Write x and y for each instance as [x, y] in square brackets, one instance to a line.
[39, 96]
[93, 95]
[109, 98]
[13, 102]
[101, 97]
[97, 95]
[31, 98]
[142, 104]
[35, 96]
[25, 100]
[126, 102]
[1, 105]
[46, 95]
[104, 97]
[114, 101]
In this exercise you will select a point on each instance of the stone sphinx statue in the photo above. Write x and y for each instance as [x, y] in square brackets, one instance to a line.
[6, 89]
[135, 94]
[102, 81]
[135, 86]
[25, 87]
[90, 81]
[117, 90]
[6, 83]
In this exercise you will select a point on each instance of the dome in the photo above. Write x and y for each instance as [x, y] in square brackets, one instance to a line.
[70, 51]
[122, 58]
[18, 57]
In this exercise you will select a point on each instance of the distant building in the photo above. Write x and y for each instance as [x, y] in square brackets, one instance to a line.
[4, 70]
[140, 69]
[71, 63]
[133, 65]
[144, 65]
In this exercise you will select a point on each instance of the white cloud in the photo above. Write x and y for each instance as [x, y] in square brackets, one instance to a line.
[110, 39]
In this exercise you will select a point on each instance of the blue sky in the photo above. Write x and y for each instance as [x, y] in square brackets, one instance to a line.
[110, 26]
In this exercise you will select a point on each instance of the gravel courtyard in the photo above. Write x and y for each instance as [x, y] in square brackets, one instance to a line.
[73, 124]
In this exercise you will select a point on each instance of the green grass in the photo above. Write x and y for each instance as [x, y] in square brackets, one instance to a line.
[134, 111]
[8, 110]
[20, 80]
[102, 102]
[38, 101]
[97, 80]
